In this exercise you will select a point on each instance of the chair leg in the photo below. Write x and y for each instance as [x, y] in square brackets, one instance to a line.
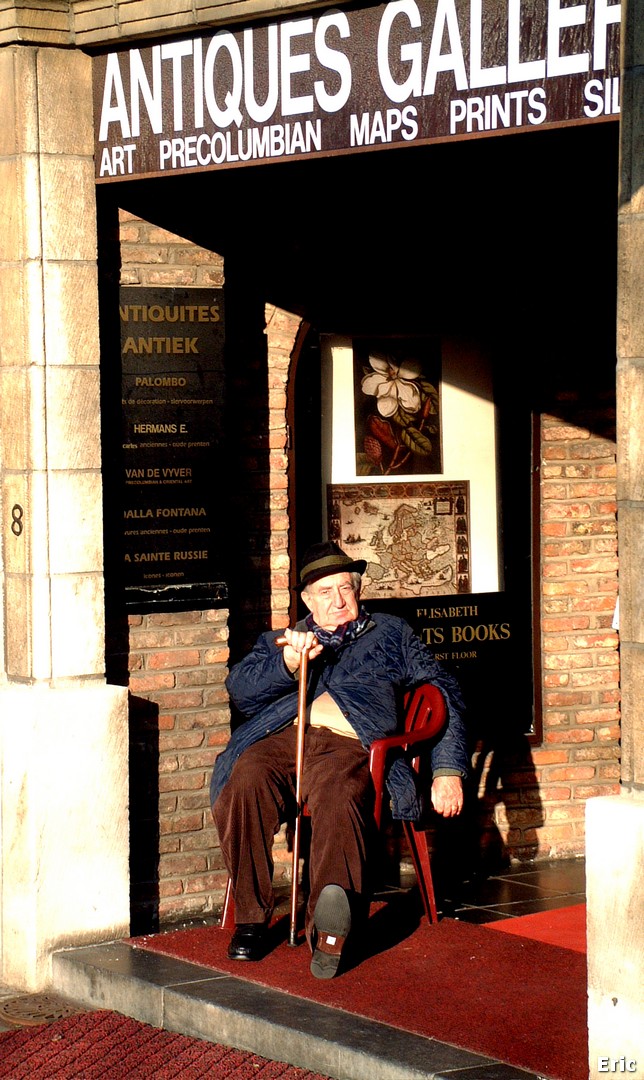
[419, 849]
[228, 913]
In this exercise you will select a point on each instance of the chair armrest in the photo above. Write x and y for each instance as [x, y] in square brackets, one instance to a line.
[425, 715]
[406, 738]
[380, 748]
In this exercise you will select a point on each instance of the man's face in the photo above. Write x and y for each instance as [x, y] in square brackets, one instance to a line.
[332, 600]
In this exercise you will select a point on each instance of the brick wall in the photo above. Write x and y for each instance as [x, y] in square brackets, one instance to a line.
[579, 758]
[179, 718]
[152, 256]
[530, 797]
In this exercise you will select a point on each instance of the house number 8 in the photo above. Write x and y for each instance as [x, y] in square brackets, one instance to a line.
[17, 514]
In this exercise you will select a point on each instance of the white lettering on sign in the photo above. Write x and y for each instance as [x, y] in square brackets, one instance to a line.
[117, 160]
[275, 140]
[368, 128]
[285, 63]
[404, 71]
[602, 97]
[446, 31]
[261, 113]
[333, 60]
[513, 109]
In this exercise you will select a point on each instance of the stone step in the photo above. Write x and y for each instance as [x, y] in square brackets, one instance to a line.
[205, 1004]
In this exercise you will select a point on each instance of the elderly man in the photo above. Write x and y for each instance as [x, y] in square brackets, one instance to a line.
[359, 666]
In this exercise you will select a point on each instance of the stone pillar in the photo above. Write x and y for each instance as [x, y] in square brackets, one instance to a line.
[615, 826]
[63, 730]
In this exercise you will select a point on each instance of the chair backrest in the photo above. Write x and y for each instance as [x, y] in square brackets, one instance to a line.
[425, 710]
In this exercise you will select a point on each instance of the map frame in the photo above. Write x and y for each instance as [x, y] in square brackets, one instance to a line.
[392, 526]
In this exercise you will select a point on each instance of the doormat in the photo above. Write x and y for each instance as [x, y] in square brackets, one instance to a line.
[514, 999]
[108, 1045]
[564, 926]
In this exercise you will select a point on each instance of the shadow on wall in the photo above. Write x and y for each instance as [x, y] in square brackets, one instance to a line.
[245, 480]
[144, 816]
[143, 780]
[503, 812]
[500, 821]
[509, 809]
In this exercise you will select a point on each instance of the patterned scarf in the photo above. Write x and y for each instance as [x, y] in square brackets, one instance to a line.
[343, 634]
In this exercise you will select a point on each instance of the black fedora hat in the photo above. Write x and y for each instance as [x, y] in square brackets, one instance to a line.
[327, 558]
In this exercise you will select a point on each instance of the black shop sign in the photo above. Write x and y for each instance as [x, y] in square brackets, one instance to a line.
[403, 73]
[485, 640]
[170, 445]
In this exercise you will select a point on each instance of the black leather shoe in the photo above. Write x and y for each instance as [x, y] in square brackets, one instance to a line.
[248, 942]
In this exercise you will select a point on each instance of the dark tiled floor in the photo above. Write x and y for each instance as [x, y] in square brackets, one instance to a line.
[521, 890]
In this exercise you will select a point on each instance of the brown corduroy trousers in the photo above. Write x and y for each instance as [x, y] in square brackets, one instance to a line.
[260, 796]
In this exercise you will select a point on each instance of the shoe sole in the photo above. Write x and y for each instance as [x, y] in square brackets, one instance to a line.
[332, 920]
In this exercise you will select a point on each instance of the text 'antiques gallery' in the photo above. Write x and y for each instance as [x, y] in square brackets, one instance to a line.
[403, 73]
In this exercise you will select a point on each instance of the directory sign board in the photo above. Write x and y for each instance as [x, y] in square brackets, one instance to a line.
[170, 444]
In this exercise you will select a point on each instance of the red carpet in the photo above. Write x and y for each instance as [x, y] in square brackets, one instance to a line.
[113, 1047]
[565, 927]
[512, 998]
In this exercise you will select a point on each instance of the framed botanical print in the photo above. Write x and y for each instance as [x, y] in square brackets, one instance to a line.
[397, 406]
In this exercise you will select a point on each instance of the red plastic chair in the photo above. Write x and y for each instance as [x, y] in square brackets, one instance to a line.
[425, 716]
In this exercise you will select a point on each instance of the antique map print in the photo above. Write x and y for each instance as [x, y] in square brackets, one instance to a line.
[415, 537]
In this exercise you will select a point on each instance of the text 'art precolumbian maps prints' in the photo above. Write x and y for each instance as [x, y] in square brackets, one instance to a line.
[415, 537]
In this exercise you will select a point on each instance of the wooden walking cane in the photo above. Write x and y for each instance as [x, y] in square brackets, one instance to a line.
[299, 761]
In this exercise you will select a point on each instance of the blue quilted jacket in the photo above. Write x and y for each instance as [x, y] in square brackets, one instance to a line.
[367, 678]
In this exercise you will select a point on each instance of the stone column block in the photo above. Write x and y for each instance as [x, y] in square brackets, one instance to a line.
[64, 802]
[630, 436]
[630, 287]
[53, 595]
[632, 671]
[19, 112]
[631, 556]
[18, 640]
[14, 394]
[614, 872]
[76, 529]
[19, 196]
[68, 182]
[77, 601]
[71, 313]
[60, 72]
[16, 496]
[73, 418]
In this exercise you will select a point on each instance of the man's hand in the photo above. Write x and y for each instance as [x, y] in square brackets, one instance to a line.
[447, 795]
[299, 641]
